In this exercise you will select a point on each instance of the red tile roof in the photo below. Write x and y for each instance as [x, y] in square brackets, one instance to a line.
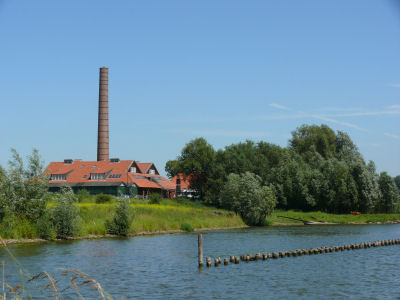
[151, 181]
[145, 167]
[79, 172]
[142, 181]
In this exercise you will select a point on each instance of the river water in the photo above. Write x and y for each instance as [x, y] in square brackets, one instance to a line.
[165, 266]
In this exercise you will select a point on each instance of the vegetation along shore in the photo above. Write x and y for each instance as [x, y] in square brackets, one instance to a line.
[320, 178]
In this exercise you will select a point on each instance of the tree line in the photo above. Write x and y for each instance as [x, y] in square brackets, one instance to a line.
[318, 170]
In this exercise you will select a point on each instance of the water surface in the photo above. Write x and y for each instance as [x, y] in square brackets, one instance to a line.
[165, 267]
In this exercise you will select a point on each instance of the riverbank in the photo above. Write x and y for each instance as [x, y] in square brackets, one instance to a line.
[171, 216]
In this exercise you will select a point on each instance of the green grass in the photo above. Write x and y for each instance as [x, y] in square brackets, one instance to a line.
[174, 214]
[331, 218]
[168, 215]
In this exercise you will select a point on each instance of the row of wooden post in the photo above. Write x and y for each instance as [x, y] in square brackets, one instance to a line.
[282, 254]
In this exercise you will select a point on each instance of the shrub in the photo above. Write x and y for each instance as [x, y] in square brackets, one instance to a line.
[83, 195]
[45, 228]
[245, 195]
[23, 192]
[65, 214]
[155, 198]
[103, 198]
[121, 221]
[187, 227]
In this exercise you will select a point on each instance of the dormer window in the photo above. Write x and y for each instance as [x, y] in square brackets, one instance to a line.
[152, 171]
[58, 177]
[97, 176]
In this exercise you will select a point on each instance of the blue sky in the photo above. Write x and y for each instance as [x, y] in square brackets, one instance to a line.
[225, 70]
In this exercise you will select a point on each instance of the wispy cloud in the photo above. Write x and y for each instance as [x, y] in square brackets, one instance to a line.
[394, 136]
[393, 111]
[346, 124]
[278, 106]
[394, 85]
[222, 132]
[396, 106]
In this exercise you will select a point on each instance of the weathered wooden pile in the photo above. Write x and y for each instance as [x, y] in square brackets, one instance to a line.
[298, 252]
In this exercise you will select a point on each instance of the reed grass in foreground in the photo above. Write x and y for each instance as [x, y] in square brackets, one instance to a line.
[69, 282]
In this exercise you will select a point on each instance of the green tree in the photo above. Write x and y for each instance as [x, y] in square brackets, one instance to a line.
[172, 168]
[397, 181]
[321, 139]
[245, 195]
[389, 194]
[196, 159]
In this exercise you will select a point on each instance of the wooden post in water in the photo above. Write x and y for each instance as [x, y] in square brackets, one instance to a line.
[200, 242]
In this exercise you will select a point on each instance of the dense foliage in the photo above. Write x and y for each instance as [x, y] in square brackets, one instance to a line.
[23, 193]
[121, 221]
[319, 170]
[65, 215]
[103, 198]
[245, 195]
[155, 198]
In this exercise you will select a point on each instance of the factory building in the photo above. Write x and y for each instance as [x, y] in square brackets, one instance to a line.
[110, 176]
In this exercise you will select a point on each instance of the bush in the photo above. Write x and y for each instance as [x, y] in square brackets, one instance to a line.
[65, 214]
[244, 195]
[45, 228]
[155, 198]
[121, 221]
[187, 227]
[23, 192]
[103, 198]
[83, 195]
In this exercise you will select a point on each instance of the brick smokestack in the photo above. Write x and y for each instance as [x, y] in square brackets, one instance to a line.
[102, 132]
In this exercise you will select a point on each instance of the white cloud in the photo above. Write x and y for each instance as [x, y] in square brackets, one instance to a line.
[278, 106]
[396, 106]
[346, 124]
[394, 136]
[395, 85]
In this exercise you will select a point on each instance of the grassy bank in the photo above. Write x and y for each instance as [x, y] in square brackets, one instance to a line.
[168, 215]
[331, 218]
[171, 215]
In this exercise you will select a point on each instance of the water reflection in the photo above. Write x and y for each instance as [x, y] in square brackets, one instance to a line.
[165, 267]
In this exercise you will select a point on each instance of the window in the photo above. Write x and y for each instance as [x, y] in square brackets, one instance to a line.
[115, 176]
[139, 177]
[152, 171]
[58, 177]
[84, 176]
[97, 176]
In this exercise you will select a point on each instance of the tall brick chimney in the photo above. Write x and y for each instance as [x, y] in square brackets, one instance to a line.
[102, 132]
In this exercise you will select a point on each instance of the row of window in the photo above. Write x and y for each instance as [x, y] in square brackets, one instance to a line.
[93, 176]
[115, 176]
[58, 177]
